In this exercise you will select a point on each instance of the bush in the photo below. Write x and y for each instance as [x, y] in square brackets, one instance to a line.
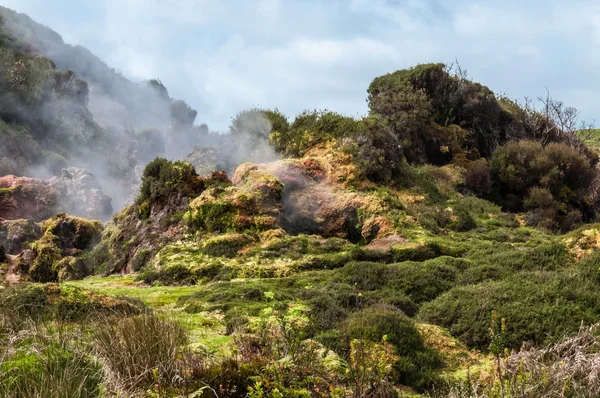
[176, 274]
[416, 364]
[564, 300]
[225, 245]
[550, 182]
[163, 178]
[422, 282]
[138, 349]
[478, 178]
[311, 128]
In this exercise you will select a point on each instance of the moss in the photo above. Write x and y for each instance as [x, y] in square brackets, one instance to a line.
[71, 268]
[43, 267]
[225, 245]
[140, 259]
[63, 236]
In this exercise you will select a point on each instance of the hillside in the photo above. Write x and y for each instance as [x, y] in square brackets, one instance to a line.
[443, 245]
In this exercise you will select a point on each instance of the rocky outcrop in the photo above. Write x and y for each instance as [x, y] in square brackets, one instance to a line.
[16, 234]
[311, 203]
[31, 198]
[80, 194]
[57, 254]
[76, 192]
[207, 160]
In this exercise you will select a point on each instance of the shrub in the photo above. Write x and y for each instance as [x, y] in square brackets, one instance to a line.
[176, 274]
[422, 282]
[365, 275]
[311, 128]
[564, 300]
[225, 245]
[163, 178]
[138, 349]
[377, 152]
[416, 364]
[550, 182]
[463, 221]
[71, 268]
[478, 178]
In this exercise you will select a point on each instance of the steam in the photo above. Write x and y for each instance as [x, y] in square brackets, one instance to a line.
[107, 128]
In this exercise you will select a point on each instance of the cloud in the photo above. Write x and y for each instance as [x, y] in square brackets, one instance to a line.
[224, 56]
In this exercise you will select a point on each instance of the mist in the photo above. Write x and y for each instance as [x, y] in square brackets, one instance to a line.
[105, 128]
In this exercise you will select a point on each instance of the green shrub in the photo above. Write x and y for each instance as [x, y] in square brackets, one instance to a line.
[547, 181]
[365, 275]
[422, 282]
[176, 274]
[311, 128]
[538, 307]
[163, 178]
[464, 221]
[416, 365]
[325, 313]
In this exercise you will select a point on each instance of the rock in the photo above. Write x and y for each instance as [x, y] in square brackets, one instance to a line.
[206, 160]
[81, 195]
[16, 234]
[76, 192]
[377, 227]
[310, 202]
[63, 237]
[386, 243]
[24, 197]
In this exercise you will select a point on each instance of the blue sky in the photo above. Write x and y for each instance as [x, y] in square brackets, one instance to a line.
[223, 56]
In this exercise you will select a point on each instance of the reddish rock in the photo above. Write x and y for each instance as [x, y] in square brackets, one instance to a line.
[30, 198]
[75, 192]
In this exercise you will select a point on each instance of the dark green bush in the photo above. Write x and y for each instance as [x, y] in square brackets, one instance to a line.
[163, 178]
[538, 307]
[416, 365]
[478, 178]
[365, 275]
[550, 182]
[422, 282]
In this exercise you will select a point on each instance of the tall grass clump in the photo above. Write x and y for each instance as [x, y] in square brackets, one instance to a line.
[141, 349]
[42, 359]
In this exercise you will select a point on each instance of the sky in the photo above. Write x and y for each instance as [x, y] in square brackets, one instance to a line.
[223, 56]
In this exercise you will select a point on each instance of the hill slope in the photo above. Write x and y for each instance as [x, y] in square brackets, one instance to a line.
[399, 254]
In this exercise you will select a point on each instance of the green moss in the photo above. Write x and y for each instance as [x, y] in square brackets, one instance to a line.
[225, 245]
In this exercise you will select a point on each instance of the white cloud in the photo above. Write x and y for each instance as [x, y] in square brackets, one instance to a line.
[225, 55]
